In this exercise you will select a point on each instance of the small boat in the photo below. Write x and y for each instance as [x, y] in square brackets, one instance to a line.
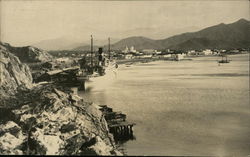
[224, 60]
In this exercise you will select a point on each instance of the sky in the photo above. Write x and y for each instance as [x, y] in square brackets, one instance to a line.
[26, 22]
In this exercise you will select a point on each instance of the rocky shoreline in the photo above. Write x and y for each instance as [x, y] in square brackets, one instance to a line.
[44, 119]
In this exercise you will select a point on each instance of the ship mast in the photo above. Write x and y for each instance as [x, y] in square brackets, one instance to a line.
[109, 47]
[91, 50]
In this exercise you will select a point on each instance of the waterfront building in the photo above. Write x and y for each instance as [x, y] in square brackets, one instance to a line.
[148, 51]
[216, 52]
[146, 56]
[167, 55]
[207, 52]
[62, 59]
[126, 50]
[157, 52]
[234, 51]
[132, 49]
[192, 53]
[195, 53]
[178, 56]
[128, 56]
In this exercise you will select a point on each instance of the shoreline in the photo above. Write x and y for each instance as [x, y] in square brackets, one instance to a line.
[172, 83]
[47, 115]
[62, 124]
[47, 118]
[147, 60]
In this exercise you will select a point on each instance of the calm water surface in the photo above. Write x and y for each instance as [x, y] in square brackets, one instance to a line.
[181, 108]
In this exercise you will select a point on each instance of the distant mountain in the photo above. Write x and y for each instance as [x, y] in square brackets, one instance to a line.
[225, 36]
[102, 42]
[97, 43]
[58, 44]
[138, 42]
[199, 43]
[85, 48]
[234, 35]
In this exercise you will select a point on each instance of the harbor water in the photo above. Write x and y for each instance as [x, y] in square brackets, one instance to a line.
[192, 107]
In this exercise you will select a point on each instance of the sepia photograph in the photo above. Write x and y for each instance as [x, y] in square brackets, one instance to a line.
[125, 77]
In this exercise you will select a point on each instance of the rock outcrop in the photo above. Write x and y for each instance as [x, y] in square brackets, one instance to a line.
[45, 119]
[13, 73]
[52, 122]
[28, 54]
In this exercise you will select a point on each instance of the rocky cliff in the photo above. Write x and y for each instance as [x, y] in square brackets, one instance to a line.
[28, 54]
[46, 119]
[13, 73]
[52, 122]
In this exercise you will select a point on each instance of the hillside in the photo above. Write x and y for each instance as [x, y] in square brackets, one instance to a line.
[28, 54]
[203, 43]
[85, 48]
[138, 42]
[47, 119]
[235, 35]
[226, 36]
[13, 74]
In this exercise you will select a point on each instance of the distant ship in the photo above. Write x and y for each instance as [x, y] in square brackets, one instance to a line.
[106, 63]
[111, 65]
[224, 59]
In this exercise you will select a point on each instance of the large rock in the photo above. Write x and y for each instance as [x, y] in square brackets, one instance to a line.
[44, 120]
[60, 123]
[11, 139]
[28, 54]
[13, 73]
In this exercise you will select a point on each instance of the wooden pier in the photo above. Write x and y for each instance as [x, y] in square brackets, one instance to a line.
[117, 124]
[66, 77]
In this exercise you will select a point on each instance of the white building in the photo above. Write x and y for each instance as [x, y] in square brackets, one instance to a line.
[191, 52]
[216, 52]
[63, 59]
[207, 52]
[181, 56]
[146, 56]
[126, 50]
[167, 55]
[128, 56]
[148, 51]
[178, 56]
[157, 52]
[132, 49]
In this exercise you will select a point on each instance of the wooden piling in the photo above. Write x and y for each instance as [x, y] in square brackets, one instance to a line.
[117, 124]
[82, 85]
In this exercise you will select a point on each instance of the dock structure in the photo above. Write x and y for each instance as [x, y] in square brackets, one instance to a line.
[122, 131]
[117, 124]
[66, 77]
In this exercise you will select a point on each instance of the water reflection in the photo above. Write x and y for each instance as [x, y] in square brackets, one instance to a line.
[182, 108]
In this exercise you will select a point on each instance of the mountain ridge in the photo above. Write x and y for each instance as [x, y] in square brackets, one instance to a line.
[229, 33]
[224, 36]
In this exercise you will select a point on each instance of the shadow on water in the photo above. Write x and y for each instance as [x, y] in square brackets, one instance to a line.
[121, 130]
[121, 139]
[222, 75]
[88, 89]
[208, 114]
